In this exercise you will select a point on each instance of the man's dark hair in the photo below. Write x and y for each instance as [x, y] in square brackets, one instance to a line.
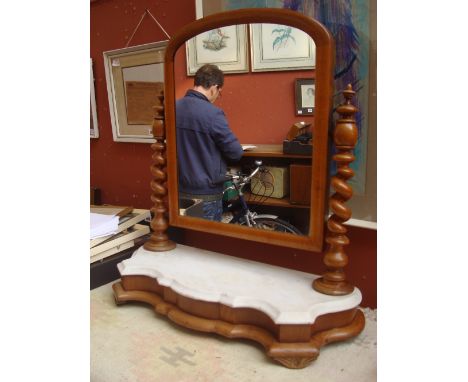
[209, 75]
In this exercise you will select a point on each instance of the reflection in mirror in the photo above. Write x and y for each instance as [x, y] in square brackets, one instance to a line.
[260, 110]
[226, 47]
[143, 84]
[135, 79]
[244, 155]
[280, 47]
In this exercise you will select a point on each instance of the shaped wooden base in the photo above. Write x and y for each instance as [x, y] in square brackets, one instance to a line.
[293, 345]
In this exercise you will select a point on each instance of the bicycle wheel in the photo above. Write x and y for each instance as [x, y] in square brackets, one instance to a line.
[276, 225]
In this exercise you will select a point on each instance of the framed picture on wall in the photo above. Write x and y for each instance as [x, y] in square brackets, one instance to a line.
[135, 79]
[305, 96]
[280, 47]
[93, 125]
[225, 47]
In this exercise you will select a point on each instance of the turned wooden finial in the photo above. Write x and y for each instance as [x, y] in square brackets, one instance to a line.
[159, 240]
[333, 282]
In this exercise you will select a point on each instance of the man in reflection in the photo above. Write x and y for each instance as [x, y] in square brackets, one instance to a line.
[204, 142]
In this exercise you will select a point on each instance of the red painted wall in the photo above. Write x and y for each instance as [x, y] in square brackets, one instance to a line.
[121, 170]
[259, 106]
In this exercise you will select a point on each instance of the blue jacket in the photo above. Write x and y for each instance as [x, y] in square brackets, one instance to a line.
[204, 143]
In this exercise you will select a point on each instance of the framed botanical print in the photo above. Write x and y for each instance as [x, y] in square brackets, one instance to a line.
[280, 47]
[225, 47]
[135, 79]
[305, 96]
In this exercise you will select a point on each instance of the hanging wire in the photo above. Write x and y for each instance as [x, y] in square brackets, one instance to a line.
[133, 34]
[157, 22]
[139, 23]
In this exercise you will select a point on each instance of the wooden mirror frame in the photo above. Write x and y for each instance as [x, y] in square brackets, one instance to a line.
[323, 107]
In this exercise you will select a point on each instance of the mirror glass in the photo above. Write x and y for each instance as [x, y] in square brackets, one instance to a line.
[135, 78]
[276, 60]
[259, 104]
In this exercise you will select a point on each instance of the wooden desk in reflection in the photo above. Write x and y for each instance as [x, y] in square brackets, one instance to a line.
[271, 151]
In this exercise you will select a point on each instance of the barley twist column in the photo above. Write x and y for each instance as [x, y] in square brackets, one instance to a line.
[333, 282]
[159, 241]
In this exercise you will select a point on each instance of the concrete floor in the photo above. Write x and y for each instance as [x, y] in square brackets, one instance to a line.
[133, 343]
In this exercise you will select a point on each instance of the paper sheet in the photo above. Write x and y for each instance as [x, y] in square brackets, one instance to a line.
[248, 147]
[103, 225]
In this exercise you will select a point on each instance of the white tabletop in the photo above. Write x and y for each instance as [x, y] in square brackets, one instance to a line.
[284, 295]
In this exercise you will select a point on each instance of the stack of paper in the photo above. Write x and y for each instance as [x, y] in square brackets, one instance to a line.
[115, 229]
[248, 147]
[103, 225]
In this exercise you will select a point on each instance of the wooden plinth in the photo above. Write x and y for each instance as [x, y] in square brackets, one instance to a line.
[162, 245]
[294, 346]
[340, 288]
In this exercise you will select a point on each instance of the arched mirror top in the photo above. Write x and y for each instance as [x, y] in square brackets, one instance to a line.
[315, 29]
[324, 63]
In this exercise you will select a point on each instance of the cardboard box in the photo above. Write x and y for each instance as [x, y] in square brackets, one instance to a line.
[273, 183]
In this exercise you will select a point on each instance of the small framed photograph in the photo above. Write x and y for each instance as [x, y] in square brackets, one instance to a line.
[305, 96]
[225, 47]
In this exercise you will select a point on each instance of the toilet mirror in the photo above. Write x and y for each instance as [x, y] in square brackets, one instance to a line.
[259, 102]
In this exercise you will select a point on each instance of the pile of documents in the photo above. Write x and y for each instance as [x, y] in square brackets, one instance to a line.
[114, 229]
[103, 225]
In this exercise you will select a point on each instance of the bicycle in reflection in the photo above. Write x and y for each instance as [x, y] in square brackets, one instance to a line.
[236, 209]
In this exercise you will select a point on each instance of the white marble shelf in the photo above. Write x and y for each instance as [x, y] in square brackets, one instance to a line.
[284, 295]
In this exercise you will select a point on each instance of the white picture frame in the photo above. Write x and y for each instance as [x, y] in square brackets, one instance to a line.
[141, 64]
[278, 47]
[225, 47]
[93, 125]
